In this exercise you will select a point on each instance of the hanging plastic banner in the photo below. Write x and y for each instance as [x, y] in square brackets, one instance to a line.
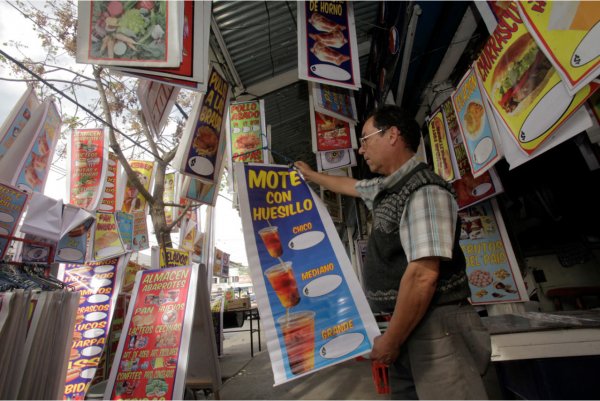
[568, 33]
[327, 45]
[334, 101]
[247, 130]
[125, 227]
[443, 163]
[12, 204]
[107, 242]
[108, 203]
[157, 100]
[140, 231]
[17, 119]
[171, 257]
[314, 311]
[169, 196]
[87, 155]
[133, 200]
[330, 133]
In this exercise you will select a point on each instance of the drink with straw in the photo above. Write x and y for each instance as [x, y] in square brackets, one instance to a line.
[298, 330]
[281, 277]
[270, 236]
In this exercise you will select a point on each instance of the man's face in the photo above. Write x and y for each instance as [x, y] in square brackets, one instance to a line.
[372, 139]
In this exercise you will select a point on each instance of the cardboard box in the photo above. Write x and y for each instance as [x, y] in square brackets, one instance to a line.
[239, 303]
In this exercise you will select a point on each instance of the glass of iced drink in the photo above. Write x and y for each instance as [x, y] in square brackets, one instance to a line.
[270, 236]
[298, 330]
[281, 277]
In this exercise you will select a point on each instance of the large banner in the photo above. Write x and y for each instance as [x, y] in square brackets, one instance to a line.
[247, 130]
[12, 204]
[314, 311]
[327, 45]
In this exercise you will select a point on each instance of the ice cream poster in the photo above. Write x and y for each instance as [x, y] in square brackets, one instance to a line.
[152, 356]
[492, 269]
[248, 131]
[314, 311]
[327, 48]
[199, 153]
[98, 284]
[568, 32]
[522, 85]
[87, 156]
[12, 203]
[475, 125]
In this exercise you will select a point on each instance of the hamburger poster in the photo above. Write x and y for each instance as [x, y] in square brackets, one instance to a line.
[568, 32]
[522, 85]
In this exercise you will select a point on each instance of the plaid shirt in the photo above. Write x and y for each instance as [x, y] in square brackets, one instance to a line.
[429, 219]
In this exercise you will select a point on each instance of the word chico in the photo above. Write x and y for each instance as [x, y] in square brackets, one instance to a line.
[302, 228]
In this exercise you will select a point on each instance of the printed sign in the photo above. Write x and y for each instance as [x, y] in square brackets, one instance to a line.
[248, 131]
[108, 203]
[334, 101]
[133, 200]
[140, 231]
[314, 310]
[12, 203]
[125, 227]
[107, 242]
[440, 149]
[157, 100]
[17, 119]
[170, 257]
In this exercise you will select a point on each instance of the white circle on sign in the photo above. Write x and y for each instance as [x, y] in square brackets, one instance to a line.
[91, 351]
[37, 253]
[110, 173]
[88, 373]
[109, 184]
[105, 207]
[6, 218]
[3, 231]
[330, 72]
[341, 345]
[306, 240]
[24, 188]
[70, 254]
[97, 298]
[95, 316]
[322, 285]
[201, 165]
[100, 282]
[483, 150]
[103, 269]
[93, 333]
[548, 110]
[107, 195]
[481, 189]
[110, 251]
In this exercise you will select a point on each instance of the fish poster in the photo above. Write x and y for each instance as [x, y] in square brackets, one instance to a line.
[152, 355]
[492, 269]
[247, 130]
[12, 204]
[568, 33]
[521, 84]
[327, 44]
[87, 156]
[311, 305]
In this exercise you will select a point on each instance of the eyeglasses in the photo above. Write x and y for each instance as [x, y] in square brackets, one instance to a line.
[363, 140]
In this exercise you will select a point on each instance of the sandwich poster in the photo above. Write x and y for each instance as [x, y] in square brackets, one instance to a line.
[86, 173]
[568, 33]
[152, 355]
[522, 85]
[200, 153]
[98, 284]
[330, 133]
[107, 242]
[313, 309]
[12, 204]
[492, 269]
[476, 126]
[247, 130]
[440, 148]
[327, 45]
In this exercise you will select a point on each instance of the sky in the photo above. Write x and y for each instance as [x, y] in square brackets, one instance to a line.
[14, 26]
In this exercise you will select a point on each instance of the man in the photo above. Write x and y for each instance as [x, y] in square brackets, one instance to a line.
[435, 344]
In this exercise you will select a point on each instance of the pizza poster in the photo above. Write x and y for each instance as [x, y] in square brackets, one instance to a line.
[87, 157]
[12, 204]
[327, 44]
[314, 311]
[521, 84]
[568, 33]
[200, 154]
[492, 269]
[98, 284]
[108, 203]
[440, 148]
[248, 131]
[133, 200]
[151, 359]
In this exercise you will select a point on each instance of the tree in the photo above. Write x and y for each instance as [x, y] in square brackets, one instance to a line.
[55, 24]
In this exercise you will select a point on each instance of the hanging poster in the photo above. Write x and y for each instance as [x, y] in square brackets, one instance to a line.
[443, 164]
[108, 203]
[125, 227]
[157, 100]
[133, 200]
[152, 356]
[334, 101]
[521, 84]
[17, 119]
[327, 45]
[218, 263]
[330, 133]
[199, 191]
[335, 159]
[247, 130]
[72, 246]
[140, 231]
[171, 257]
[98, 284]
[169, 196]
[129, 276]
[199, 154]
[568, 33]
[119, 33]
[492, 269]
[12, 204]
[476, 127]
[107, 242]
[87, 152]
[333, 203]
[313, 309]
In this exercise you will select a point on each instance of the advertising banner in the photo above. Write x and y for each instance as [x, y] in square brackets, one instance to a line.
[108, 203]
[568, 33]
[125, 227]
[522, 85]
[494, 275]
[12, 204]
[334, 101]
[98, 284]
[140, 231]
[171, 257]
[313, 309]
[107, 242]
[330, 133]
[440, 148]
[200, 153]
[169, 196]
[335, 159]
[132, 199]
[327, 45]
[87, 155]
[17, 119]
[152, 356]
[247, 130]
[157, 100]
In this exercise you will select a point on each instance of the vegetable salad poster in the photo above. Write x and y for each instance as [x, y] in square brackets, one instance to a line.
[314, 312]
